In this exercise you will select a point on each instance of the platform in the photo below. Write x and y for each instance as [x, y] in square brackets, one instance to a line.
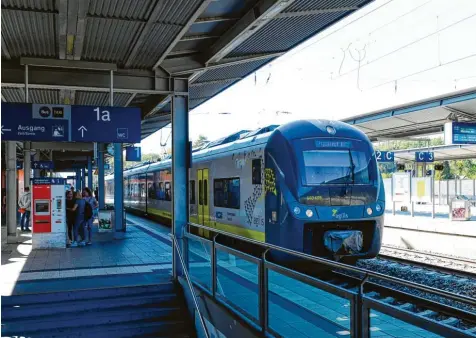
[144, 250]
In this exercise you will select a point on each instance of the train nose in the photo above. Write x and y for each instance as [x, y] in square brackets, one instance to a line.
[344, 242]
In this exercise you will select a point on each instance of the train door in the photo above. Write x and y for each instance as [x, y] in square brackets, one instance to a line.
[203, 199]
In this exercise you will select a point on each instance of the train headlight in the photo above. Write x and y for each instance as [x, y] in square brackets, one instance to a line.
[378, 208]
[297, 210]
[309, 213]
[369, 211]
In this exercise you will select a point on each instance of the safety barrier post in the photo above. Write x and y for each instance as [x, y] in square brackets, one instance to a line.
[213, 259]
[263, 292]
[412, 211]
[432, 196]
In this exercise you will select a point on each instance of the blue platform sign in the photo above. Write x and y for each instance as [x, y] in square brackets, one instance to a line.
[19, 165]
[49, 180]
[41, 122]
[42, 165]
[424, 156]
[385, 156]
[133, 154]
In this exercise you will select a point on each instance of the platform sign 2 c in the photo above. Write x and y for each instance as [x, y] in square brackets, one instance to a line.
[385, 156]
[424, 156]
[133, 154]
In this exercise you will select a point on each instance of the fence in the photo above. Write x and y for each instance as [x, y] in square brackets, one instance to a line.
[423, 192]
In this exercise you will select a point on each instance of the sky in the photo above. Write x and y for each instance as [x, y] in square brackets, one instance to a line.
[390, 52]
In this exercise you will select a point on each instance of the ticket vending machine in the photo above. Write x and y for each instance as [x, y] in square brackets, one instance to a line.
[48, 207]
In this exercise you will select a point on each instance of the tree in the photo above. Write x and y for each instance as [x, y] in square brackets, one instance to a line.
[446, 172]
[200, 141]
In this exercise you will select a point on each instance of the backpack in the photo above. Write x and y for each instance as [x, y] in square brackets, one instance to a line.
[88, 212]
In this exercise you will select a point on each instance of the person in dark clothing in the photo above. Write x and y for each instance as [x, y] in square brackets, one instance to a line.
[96, 193]
[79, 206]
[70, 214]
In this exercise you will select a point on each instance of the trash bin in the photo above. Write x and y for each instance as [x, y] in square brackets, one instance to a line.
[460, 210]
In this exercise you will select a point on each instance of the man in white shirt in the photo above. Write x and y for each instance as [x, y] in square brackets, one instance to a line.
[25, 203]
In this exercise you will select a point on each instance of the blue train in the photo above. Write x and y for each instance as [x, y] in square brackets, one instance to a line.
[311, 186]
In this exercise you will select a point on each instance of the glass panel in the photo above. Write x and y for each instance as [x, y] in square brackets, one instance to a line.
[382, 325]
[297, 309]
[200, 267]
[238, 282]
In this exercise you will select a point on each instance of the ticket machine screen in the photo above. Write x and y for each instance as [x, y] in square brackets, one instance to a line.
[42, 207]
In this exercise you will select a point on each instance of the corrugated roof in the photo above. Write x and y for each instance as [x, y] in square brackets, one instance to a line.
[209, 89]
[284, 33]
[121, 9]
[234, 71]
[41, 5]
[310, 5]
[100, 98]
[109, 39]
[28, 33]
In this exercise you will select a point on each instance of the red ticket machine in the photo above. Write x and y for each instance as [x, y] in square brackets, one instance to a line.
[48, 213]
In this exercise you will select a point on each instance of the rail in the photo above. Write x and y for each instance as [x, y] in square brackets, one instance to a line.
[361, 304]
[190, 286]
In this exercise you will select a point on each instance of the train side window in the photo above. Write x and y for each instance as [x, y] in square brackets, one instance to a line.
[192, 192]
[227, 193]
[256, 171]
[161, 191]
[168, 192]
[205, 192]
[142, 189]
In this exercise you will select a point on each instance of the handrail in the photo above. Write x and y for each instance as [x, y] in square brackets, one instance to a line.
[190, 286]
[424, 288]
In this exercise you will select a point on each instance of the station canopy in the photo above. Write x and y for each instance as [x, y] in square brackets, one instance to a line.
[441, 153]
[418, 118]
[71, 46]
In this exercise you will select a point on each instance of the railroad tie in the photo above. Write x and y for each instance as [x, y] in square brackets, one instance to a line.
[427, 313]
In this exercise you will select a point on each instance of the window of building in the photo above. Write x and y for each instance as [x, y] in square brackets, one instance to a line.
[227, 193]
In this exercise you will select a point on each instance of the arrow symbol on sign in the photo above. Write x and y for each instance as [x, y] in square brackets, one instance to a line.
[82, 129]
[4, 129]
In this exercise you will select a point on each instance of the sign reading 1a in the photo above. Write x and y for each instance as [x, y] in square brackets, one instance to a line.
[103, 115]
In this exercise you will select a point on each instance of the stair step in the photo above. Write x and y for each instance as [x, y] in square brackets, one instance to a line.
[89, 319]
[174, 329]
[48, 297]
[32, 311]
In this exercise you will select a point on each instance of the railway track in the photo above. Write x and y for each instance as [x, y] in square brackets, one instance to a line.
[464, 268]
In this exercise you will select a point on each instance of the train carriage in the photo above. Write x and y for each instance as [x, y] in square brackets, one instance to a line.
[311, 186]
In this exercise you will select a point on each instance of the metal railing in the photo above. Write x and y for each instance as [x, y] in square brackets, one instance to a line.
[361, 304]
[190, 286]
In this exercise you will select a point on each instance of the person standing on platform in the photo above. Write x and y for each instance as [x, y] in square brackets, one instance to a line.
[78, 208]
[25, 206]
[70, 215]
[88, 224]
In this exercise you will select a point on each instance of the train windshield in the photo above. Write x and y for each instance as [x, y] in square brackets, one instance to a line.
[336, 162]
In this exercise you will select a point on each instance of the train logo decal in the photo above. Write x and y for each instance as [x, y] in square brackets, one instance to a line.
[219, 215]
[340, 216]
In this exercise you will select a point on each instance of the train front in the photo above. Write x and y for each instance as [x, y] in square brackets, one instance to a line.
[324, 192]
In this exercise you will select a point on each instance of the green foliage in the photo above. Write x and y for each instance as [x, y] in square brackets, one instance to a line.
[459, 168]
[200, 141]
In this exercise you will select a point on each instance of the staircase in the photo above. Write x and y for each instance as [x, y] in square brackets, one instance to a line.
[157, 310]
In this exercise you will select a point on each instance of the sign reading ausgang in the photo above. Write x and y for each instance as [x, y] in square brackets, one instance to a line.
[36, 122]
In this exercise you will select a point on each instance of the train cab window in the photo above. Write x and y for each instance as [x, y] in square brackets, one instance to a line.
[192, 192]
[168, 191]
[205, 192]
[227, 193]
[256, 171]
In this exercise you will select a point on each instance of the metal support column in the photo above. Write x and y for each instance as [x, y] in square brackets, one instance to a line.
[90, 174]
[118, 193]
[11, 185]
[78, 179]
[101, 176]
[27, 163]
[36, 172]
[119, 224]
[180, 149]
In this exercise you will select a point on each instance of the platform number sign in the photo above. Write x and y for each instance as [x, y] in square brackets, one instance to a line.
[133, 154]
[385, 156]
[424, 156]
